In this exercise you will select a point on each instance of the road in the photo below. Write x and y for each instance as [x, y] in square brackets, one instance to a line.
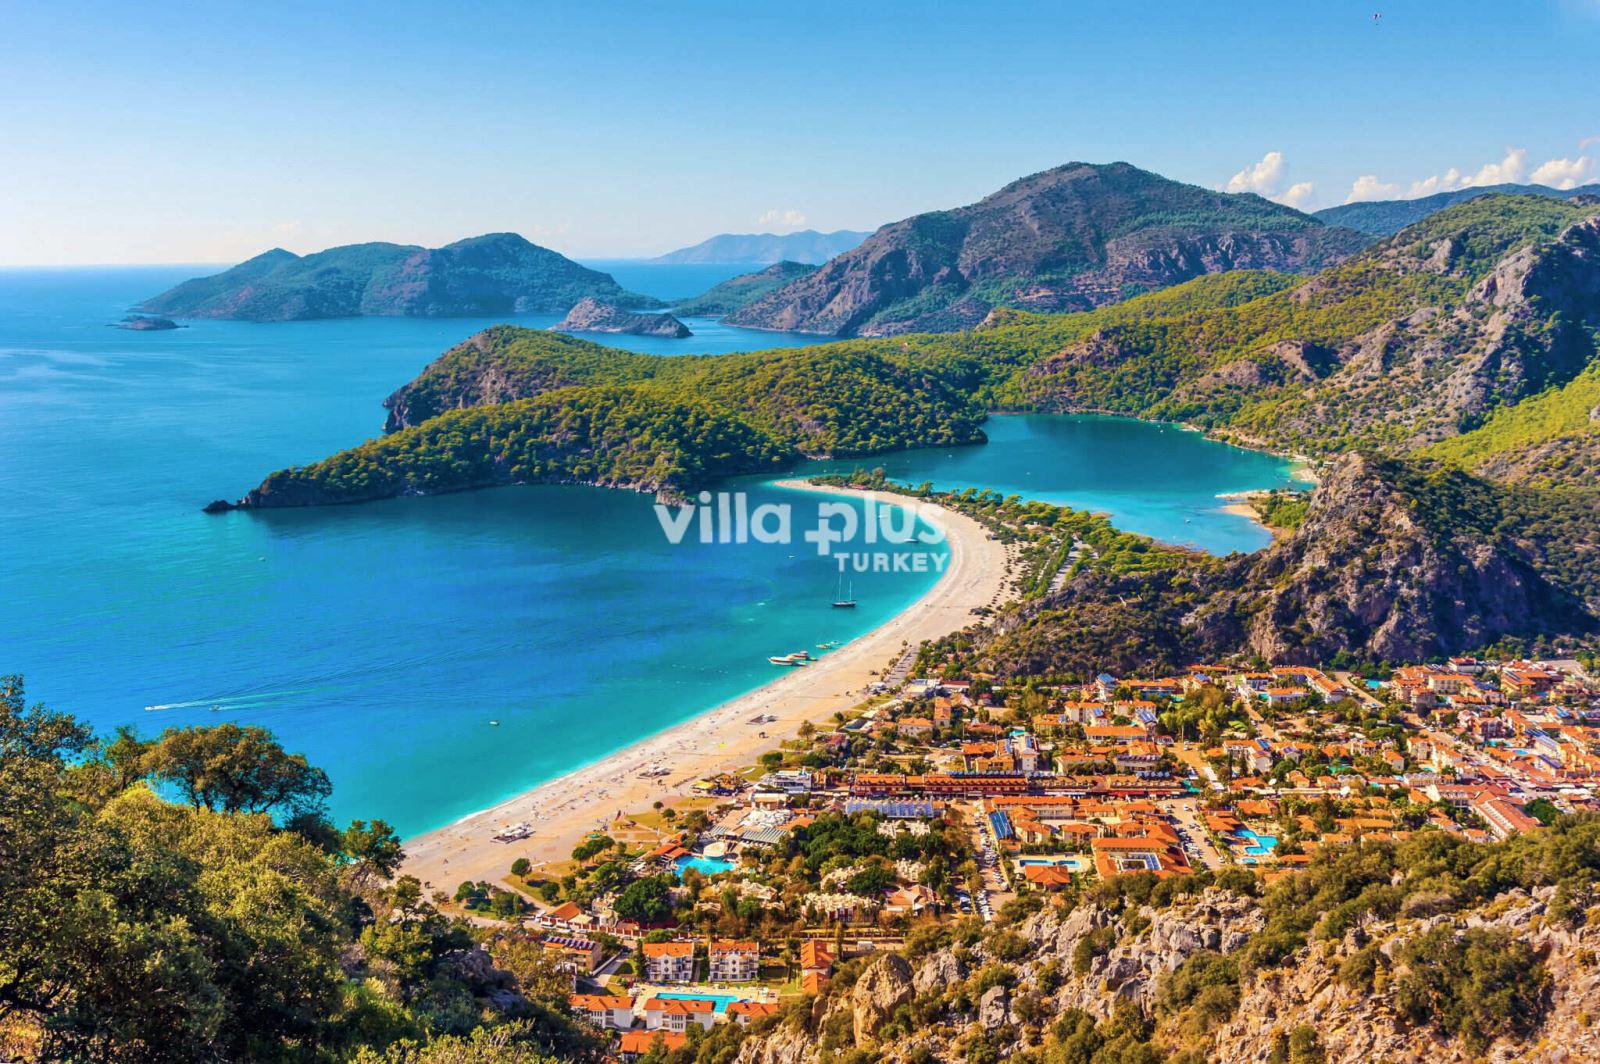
[1188, 817]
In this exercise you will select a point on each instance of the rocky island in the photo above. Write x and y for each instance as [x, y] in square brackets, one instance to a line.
[146, 323]
[591, 315]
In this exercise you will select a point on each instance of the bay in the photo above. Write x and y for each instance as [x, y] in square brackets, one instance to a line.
[433, 655]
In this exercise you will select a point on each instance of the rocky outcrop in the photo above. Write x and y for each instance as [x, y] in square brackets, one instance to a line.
[500, 273]
[1380, 568]
[591, 315]
[884, 986]
[1071, 238]
[1310, 995]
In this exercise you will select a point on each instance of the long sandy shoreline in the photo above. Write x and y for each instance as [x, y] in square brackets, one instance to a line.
[562, 810]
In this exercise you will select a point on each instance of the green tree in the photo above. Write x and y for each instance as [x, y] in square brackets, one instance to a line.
[646, 901]
[232, 769]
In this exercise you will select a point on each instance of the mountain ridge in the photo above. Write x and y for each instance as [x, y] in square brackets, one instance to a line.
[1387, 217]
[1070, 238]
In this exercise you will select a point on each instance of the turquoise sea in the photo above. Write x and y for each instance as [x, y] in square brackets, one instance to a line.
[434, 655]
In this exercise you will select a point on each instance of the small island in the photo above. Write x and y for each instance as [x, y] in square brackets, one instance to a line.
[591, 315]
[146, 323]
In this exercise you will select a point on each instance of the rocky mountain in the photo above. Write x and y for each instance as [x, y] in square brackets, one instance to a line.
[1417, 340]
[591, 315]
[738, 292]
[1387, 217]
[1071, 238]
[500, 273]
[1377, 952]
[1393, 561]
[808, 246]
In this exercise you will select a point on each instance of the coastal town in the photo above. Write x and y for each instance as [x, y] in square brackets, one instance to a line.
[944, 798]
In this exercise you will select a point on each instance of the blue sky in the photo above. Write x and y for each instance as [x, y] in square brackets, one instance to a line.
[205, 133]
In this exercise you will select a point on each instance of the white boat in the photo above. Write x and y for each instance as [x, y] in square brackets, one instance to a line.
[794, 657]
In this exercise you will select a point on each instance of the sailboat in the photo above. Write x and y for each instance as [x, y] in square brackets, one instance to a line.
[844, 598]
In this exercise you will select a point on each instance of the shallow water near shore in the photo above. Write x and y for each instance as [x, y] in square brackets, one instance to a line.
[434, 655]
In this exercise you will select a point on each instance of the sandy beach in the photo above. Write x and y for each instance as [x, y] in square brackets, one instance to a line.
[562, 810]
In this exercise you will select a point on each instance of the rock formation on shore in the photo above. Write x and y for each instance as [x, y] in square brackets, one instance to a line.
[591, 315]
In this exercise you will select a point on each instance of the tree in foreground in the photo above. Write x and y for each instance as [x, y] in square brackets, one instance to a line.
[136, 929]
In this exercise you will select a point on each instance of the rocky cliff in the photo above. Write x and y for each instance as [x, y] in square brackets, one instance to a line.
[591, 315]
[1071, 238]
[500, 273]
[1393, 561]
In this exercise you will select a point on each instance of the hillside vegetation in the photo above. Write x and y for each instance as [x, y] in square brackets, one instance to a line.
[516, 406]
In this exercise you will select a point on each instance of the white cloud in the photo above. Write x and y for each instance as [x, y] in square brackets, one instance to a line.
[1300, 195]
[782, 218]
[1564, 173]
[1264, 178]
[1445, 182]
[1270, 178]
[1588, 142]
[1368, 187]
[1509, 170]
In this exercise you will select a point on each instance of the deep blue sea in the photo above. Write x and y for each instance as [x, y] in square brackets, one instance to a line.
[381, 640]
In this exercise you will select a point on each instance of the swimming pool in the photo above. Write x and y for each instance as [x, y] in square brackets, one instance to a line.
[1260, 845]
[706, 866]
[720, 1002]
[1074, 862]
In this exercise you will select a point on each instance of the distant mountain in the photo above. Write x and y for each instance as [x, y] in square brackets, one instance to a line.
[500, 273]
[741, 291]
[1072, 238]
[808, 245]
[1387, 217]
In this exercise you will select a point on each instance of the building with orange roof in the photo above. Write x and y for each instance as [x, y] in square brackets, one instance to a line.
[1047, 876]
[669, 962]
[744, 1012]
[603, 1010]
[636, 1044]
[734, 962]
[816, 956]
[1140, 853]
[676, 1014]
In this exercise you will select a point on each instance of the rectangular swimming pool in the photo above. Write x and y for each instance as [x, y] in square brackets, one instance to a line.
[720, 1002]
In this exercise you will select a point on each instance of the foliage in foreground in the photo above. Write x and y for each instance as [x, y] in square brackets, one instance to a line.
[137, 929]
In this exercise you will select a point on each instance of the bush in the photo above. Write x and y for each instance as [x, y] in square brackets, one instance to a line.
[1475, 985]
